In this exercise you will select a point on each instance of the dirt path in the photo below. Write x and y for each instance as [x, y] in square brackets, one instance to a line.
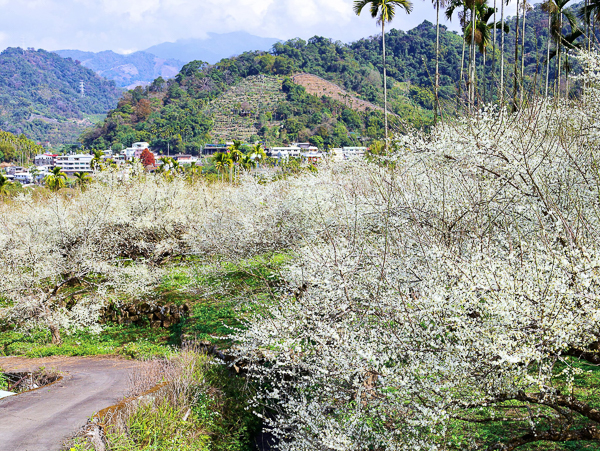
[43, 419]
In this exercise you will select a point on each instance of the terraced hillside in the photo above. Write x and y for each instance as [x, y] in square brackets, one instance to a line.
[237, 112]
[318, 86]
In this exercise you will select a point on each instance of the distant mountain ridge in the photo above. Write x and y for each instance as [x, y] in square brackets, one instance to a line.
[127, 71]
[40, 95]
[214, 48]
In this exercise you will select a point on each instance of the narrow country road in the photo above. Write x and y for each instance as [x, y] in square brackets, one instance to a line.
[41, 420]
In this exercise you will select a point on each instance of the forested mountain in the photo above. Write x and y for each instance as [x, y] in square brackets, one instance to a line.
[182, 111]
[199, 105]
[40, 95]
[137, 68]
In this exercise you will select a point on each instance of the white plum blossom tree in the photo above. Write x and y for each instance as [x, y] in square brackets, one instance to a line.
[447, 285]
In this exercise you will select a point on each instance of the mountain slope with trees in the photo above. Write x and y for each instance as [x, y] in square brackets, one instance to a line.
[177, 113]
[40, 95]
[126, 70]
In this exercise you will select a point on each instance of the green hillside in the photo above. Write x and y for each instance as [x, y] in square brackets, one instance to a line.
[253, 96]
[40, 95]
[340, 104]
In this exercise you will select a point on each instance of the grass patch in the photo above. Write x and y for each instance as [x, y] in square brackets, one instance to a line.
[129, 340]
[225, 293]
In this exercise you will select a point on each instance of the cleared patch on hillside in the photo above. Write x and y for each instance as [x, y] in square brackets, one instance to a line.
[237, 111]
[320, 87]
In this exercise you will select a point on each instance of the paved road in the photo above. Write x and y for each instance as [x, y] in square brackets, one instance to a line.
[43, 419]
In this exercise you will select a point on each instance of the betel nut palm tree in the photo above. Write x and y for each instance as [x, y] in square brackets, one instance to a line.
[235, 155]
[57, 179]
[384, 11]
[557, 9]
[96, 163]
[82, 179]
[438, 4]
[5, 183]
[221, 162]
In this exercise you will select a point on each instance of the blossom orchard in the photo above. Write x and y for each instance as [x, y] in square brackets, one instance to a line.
[65, 256]
[444, 288]
[433, 288]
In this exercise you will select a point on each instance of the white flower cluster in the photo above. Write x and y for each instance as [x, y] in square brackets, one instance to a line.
[65, 255]
[434, 284]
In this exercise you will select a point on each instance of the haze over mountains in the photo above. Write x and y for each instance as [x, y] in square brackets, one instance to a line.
[214, 48]
[127, 71]
[166, 59]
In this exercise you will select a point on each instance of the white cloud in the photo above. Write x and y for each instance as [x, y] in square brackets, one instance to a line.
[138, 24]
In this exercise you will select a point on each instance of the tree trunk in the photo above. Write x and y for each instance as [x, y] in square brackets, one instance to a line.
[437, 59]
[548, 54]
[384, 85]
[587, 23]
[502, 54]
[472, 68]
[567, 77]
[462, 65]
[558, 40]
[516, 71]
[523, 54]
[55, 331]
[484, 78]
[494, 53]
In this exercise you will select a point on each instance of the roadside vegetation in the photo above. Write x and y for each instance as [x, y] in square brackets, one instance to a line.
[201, 408]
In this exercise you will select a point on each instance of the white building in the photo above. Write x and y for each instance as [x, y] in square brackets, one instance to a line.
[71, 164]
[135, 151]
[186, 159]
[25, 177]
[347, 153]
[337, 154]
[46, 159]
[354, 152]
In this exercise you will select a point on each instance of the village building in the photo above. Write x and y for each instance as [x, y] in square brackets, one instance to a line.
[71, 164]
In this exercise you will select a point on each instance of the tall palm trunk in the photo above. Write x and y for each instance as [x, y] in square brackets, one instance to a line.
[523, 54]
[516, 71]
[385, 112]
[558, 41]
[587, 24]
[567, 77]
[437, 59]
[462, 65]
[502, 53]
[494, 50]
[548, 54]
[484, 77]
[472, 59]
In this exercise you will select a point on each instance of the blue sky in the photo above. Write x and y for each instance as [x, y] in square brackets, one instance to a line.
[129, 25]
